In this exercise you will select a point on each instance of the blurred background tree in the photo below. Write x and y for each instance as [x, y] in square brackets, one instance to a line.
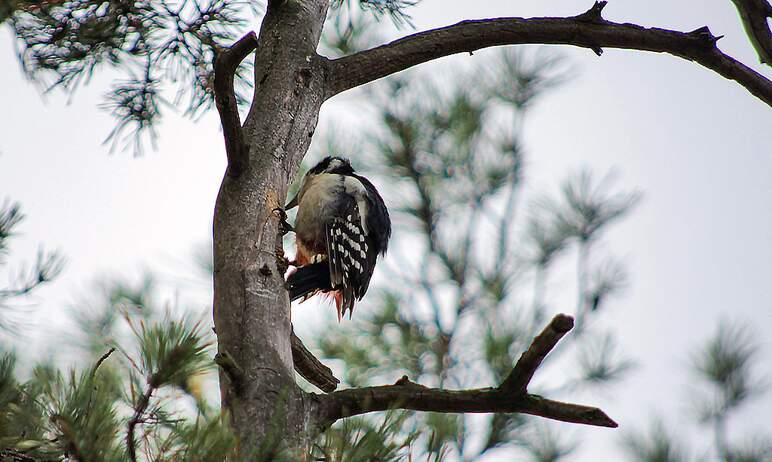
[465, 287]
[727, 377]
[23, 279]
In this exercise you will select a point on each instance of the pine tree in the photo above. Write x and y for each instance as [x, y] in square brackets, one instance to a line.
[727, 378]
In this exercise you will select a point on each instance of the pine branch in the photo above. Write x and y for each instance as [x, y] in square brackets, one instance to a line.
[755, 15]
[510, 397]
[588, 30]
[225, 66]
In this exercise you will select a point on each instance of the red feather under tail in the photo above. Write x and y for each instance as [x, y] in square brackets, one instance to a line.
[338, 297]
[335, 296]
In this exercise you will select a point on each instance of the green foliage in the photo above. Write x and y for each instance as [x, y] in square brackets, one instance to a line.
[81, 409]
[202, 440]
[394, 9]
[54, 414]
[10, 217]
[360, 440]
[21, 417]
[599, 360]
[585, 208]
[172, 351]
[543, 444]
[726, 367]
[24, 279]
[154, 45]
[726, 364]
[89, 414]
[62, 44]
[98, 317]
[659, 445]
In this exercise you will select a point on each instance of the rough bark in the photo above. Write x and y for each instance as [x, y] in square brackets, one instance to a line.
[251, 307]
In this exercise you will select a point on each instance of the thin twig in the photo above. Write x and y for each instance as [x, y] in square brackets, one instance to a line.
[101, 360]
[93, 375]
[588, 30]
[225, 66]
[139, 411]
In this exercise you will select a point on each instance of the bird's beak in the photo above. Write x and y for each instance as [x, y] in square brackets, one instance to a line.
[292, 203]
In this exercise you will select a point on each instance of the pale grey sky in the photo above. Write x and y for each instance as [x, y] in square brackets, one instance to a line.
[698, 146]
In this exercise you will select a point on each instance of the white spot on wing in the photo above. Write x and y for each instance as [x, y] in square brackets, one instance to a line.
[356, 188]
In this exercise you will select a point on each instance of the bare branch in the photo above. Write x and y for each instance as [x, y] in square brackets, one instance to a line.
[755, 15]
[588, 30]
[517, 381]
[225, 66]
[311, 368]
[408, 395]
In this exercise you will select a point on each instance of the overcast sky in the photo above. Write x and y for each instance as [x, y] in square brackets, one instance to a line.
[698, 146]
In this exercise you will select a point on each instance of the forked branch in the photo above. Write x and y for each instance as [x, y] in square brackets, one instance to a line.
[311, 368]
[588, 30]
[517, 381]
[755, 15]
[225, 66]
[510, 397]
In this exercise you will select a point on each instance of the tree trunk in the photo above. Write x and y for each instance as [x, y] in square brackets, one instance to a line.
[251, 306]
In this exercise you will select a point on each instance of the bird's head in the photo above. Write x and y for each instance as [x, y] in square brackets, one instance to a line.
[332, 164]
[328, 165]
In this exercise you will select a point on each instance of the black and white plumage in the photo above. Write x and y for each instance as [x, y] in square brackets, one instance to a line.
[342, 226]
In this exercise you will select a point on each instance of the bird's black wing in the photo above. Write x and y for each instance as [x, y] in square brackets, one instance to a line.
[351, 256]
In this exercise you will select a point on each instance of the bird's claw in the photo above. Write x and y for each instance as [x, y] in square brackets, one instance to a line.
[284, 226]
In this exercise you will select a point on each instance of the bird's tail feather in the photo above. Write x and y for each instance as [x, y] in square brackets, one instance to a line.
[309, 279]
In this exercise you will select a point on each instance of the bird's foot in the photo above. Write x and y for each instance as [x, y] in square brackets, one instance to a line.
[282, 263]
[284, 226]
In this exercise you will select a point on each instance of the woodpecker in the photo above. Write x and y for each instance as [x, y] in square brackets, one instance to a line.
[342, 225]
